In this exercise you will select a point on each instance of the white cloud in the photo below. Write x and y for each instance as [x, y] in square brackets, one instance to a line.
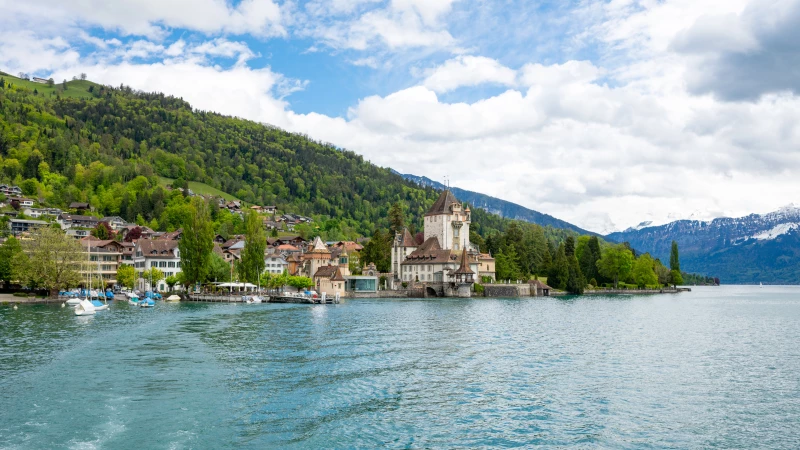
[401, 24]
[468, 71]
[152, 17]
[605, 143]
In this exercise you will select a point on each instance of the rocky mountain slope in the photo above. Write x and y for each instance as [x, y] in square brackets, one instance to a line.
[751, 249]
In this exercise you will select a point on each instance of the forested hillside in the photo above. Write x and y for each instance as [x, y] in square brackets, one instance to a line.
[110, 148]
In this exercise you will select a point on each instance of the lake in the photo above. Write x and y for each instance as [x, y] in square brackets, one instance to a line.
[715, 368]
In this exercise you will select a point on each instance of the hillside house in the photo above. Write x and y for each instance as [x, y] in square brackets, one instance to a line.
[20, 226]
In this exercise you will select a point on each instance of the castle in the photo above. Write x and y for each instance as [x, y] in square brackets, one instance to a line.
[445, 263]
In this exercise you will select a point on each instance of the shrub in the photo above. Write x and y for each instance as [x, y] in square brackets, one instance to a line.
[479, 289]
[593, 282]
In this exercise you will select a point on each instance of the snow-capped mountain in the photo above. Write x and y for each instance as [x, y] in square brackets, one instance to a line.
[754, 248]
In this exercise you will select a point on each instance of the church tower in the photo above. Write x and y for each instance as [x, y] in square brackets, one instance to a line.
[448, 223]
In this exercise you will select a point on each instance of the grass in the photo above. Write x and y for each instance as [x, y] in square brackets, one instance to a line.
[75, 89]
[199, 188]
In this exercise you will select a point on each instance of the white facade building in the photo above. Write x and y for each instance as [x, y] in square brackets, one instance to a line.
[160, 253]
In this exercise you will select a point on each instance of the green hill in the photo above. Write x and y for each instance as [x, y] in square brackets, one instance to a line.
[116, 148]
[199, 188]
[74, 88]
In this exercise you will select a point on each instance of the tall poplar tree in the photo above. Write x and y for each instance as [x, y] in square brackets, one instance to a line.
[197, 242]
[674, 258]
[252, 264]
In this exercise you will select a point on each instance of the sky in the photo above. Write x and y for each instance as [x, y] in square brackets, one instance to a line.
[601, 113]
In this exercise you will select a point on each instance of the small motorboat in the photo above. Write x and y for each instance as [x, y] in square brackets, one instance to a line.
[99, 306]
[147, 303]
[173, 298]
[254, 299]
[133, 299]
[85, 308]
[73, 301]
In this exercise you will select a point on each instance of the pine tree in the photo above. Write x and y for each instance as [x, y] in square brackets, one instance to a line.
[589, 258]
[558, 275]
[576, 282]
[569, 246]
[396, 218]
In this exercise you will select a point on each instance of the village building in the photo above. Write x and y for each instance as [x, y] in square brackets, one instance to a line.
[20, 226]
[275, 264]
[161, 253]
[67, 221]
[115, 222]
[35, 213]
[318, 256]
[10, 191]
[446, 263]
[104, 258]
[79, 206]
[330, 281]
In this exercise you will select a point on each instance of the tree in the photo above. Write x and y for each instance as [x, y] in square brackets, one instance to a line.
[506, 267]
[171, 281]
[588, 257]
[134, 234]
[218, 270]
[83, 76]
[102, 231]
[197, 242]
[674, 259]
[643, 273]
[615, 263]
[675, 278]
[301, 282]
[64, 84]
[252, 263]
[576, 281]
[51, 260]
[10, 251]
[126, 276]
[558, 275]
[569, 246]
[378, 250]
[274, 233]
[51, 82]
[152, 276]
[396, 218]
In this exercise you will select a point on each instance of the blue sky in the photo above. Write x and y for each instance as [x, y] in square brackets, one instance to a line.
[605, 113]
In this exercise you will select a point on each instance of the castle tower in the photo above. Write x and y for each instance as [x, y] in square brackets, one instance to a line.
[448, 223]
[344, 263]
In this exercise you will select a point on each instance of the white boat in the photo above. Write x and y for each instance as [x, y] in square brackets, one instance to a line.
[254, 299]
[99, 306]
[133, 299]
[173, 298]
[73, 301]
[85, 308]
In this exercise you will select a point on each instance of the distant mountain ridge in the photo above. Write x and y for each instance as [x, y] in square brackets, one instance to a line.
[751, 249]
[497, 206]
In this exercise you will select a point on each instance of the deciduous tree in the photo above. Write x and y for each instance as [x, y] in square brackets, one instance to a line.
[615, 263]
[50, 259]
[197, 242]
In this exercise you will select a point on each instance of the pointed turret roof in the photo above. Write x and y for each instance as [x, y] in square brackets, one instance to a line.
[319, 246]
[406, 239]
[442, 204]
[464, 264]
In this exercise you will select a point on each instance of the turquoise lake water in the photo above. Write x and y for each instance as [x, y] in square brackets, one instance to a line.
[714, 368]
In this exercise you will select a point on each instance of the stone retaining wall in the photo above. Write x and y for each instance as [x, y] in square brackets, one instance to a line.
[506, 290]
